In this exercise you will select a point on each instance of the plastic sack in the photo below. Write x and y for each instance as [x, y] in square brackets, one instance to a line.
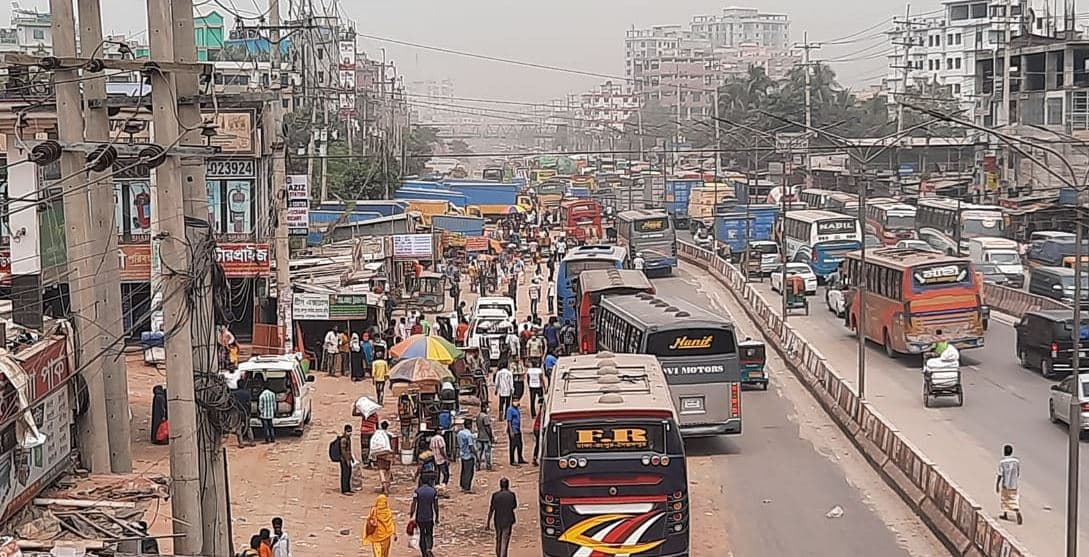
[365, 407]
[414, 541]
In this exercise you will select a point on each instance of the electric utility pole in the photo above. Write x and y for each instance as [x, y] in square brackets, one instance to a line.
[94, 440]
[281, 242]
[806, 47]
[176, 264]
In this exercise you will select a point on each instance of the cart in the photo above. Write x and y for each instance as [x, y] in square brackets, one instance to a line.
[430, 292]
[796, 301]
[941, 379]
[752, 357]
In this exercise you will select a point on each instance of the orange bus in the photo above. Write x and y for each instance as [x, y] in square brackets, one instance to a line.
[890, 221]
[581, 219]
[592, 285]
[913, 298]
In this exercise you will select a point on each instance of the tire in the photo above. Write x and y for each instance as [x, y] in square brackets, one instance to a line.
[960, 397]
[1046, 368]
[764, 387]
[888, 346]
[1022, 358]
[1051, 412]
[926, 396]
[309, 415]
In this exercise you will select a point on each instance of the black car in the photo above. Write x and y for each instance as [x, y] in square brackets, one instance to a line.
[991, 274]
[1045, 341]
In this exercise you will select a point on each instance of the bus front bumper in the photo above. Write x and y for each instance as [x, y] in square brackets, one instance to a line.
[960, 344]
[731, 426]
[663, 263]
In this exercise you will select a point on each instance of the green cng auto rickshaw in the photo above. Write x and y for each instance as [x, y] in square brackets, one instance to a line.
[752, 357]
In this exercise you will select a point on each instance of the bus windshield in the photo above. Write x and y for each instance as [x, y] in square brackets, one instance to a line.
[576, 267]
[983, 226]
[893, 222]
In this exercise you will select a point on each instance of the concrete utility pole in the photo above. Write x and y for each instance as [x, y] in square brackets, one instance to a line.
[718, 171]
[1006, 40]
[1074, 445]
[94, 441]
[174, 255]
[899, 100]
[281, 244]
[104, 234]
[808, 93]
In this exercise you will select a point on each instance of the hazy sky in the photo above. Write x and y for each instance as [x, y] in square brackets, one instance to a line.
[583, 34]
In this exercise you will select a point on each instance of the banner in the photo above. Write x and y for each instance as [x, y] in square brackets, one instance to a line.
[135, 262]
[243, 260]
[413, 246]
[310, 307]
[298, 204]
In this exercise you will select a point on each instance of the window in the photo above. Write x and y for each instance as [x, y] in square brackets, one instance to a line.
[956, 88]
[956, 63]
[39, 34]
[1054, 112]
[958, 12]
[979, 10]
[948, 63]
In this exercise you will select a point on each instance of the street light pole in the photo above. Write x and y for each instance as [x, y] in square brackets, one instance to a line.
[860, 328]
[1074, 412]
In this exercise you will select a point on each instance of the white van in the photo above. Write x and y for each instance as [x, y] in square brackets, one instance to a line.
[1004, 253]
[501, 303]
[294, 391]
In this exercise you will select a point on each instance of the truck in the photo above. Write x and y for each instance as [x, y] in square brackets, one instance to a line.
[550, 194]
[676, 199]
[462, 224]
[383, 207]
[702, 201]
[430, 208]
[411, 194]
[1004, 253]
[744, 224]
[494, 200]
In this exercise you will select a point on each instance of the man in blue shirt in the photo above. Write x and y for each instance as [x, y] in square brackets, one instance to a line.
[552, 334]
[514, 434]
[266, 410]
[467, 455]
[425, 510]
[549, 363]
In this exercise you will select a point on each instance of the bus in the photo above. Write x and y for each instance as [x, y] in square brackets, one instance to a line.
[581, 220]
[592, 285]
[650, 233]
[844, 203]
[613, 478]
[914, 297]
[890, 222]
[820, 238]
[577, 260]
[697, 349]
[938, 221]
[815, 198]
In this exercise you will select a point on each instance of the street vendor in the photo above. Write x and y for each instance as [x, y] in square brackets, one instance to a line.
[796, 285]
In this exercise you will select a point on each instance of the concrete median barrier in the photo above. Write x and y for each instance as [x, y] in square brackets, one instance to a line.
[946, 509]
[1016, 302]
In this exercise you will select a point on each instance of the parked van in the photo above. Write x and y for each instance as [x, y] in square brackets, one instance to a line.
[294, 390]
[1003, 253]
[1057, 283]
[1056, 252]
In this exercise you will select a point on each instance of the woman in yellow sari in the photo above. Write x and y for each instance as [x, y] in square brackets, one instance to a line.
[379, 530]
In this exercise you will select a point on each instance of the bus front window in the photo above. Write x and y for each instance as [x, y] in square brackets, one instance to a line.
[983, 227]
[900, 223]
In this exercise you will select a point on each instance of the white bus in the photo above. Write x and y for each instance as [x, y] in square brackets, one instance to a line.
[815, 198]
[890, 221]
[938, 219]
[820, 238]
[840, 202]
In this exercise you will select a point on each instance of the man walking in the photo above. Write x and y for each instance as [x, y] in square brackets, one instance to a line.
[504, 389]
[379, 373]
[330, 350]
[442, 464]
[514, 434]
[281, 543]
[501, 514]
[425, 510]
[266, 410]
[1006, 484]
[534, 295]
[484, 440]
[536, 381]
[345, 442]
[467, 454]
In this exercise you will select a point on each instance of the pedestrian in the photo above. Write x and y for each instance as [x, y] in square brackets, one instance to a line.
[380, 373]
[455, 292]
[265, 549]
[551, 277]
[366, 432]
[344, 443]
[638, 263]
[514, 346]
[550, 360]
[416, 328]
[442, 463]
[281, 542]
[568, 338]
[425, 511]
[467, 454]
[382, 453]
[379, 530]
[501, 515]
[512, 289]
[344, 347]
[462, 331]
[253, 549]
[367, 348]
[552, 333]
[535, 348]
[400, 331]
[534, 295]
[425, 325]
[536, 381]
[537, 419]
[242, 397]
[266, 409]
[484, 440]
[504, 389]
[356, 357]
[329, 349]
[1006, 484]
[514, 434]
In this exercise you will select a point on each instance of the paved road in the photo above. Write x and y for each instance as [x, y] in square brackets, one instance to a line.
[1003, 404]
[792, 466]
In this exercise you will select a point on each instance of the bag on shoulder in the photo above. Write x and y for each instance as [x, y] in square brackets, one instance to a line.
[334, 450]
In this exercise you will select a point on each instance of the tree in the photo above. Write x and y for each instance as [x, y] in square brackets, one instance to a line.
[359, 178]
[419, 146]
[459, 147]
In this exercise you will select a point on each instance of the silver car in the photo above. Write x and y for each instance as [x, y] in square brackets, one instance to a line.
[1058, 402]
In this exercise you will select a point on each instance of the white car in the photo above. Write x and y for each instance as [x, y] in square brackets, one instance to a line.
[801, 269]
[294, 390]
[835, 295]
[914, 244]
[1058, 400]
[501, 303]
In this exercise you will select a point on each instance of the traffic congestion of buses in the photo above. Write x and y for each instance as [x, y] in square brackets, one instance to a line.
[653, 369]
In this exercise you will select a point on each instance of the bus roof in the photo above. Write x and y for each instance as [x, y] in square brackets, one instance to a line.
[814, 215]
[576, 202]
[597, 251]
[603, 279]
[636, 214]
[606, 381]
[905, 257]
[953, 204]
[844, 196]
[657, 313]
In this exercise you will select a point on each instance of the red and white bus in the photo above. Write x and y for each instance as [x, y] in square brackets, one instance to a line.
[592, 285]
[890, 222]
[581, 219]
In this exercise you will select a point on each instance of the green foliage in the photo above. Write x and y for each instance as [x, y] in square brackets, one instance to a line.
[419, 145]
[459, 147]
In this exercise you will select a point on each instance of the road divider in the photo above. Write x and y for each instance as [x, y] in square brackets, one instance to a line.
[955, 518]
[1012, 301]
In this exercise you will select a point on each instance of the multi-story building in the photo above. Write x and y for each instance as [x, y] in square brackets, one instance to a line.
[428, 98]
[736, 27]
[944, 49]
[608, 106]
[34, 30]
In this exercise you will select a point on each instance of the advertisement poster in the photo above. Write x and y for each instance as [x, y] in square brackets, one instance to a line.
[347, 55]
[215, 205]
[21, 482]
[239, 206]
[298, 204]
[138, 217]
[135, 262]
[412, 246]
[298, 188]
[243, 260]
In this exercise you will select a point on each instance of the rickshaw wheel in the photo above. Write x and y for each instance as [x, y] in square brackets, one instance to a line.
[926, 395]
[764, 387]
[960, 397]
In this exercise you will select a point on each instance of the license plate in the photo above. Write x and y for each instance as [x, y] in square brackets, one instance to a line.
[692, 404]
[756, 374]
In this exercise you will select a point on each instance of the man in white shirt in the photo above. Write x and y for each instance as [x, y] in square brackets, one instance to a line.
[281, 543]
[330, 346]
[504, 389]
[639, 264]
[535, 378]
[551, 297]
[514, 346]
[231, 376]
[561, 248]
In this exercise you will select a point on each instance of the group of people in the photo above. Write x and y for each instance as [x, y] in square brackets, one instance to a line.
[269, 543]
[352, 354]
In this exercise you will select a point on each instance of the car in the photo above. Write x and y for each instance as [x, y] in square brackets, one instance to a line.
[992, 274]
[914, 244]
[801, 269]
[501, 303]
[1044, 341]
[1058, 401]
[835, 295]
[294, 391]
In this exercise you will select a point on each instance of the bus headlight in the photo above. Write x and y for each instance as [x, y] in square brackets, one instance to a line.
[678, 527]
[550, 531]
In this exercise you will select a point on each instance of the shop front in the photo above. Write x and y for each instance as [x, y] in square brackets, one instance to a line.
[315, 314]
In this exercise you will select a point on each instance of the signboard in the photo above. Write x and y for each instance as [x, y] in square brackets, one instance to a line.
[5, 266]
[347, 55]
[611, 437]
[48, 368]
[348, 306]
[788, 142]
[476, 243]
[23, 474]
[298, 204]
[940, 275]
[243, 260]
[310, 307]
[347, 79]
[134, 261]
[413, 246]
[234, 132]
[230, 168]
[845, 226]
[907, 169]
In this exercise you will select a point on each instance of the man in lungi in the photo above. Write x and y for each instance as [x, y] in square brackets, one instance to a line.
[1009, 475]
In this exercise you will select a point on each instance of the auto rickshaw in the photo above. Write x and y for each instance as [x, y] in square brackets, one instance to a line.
[751, 262]
[430, 292]
[795, 294]
[752, 358]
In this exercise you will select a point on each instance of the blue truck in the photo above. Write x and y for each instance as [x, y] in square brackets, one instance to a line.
[384, 207]
[676, 200]
[455, 198]
[744, 224]
[469, 226]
